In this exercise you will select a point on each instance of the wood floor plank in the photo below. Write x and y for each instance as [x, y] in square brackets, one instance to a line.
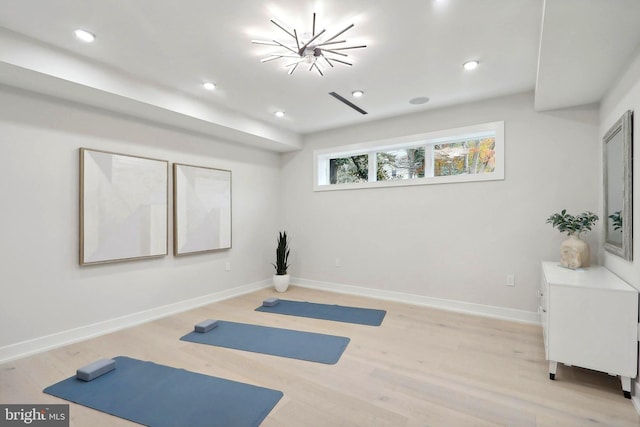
[421, 367]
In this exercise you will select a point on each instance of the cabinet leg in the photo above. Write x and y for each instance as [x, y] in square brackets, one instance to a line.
[626, 386]
[553, 366]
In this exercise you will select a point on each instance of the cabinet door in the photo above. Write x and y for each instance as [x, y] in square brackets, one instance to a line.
[593, 329]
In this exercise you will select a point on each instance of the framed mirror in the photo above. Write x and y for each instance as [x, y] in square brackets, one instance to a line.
[618, 178]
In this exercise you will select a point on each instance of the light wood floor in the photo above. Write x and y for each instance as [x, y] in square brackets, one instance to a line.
[422, 367]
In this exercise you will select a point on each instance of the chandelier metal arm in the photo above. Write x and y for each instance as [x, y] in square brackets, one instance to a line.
[334, 52]
[265, 42]
[313, 25]
[274, 57]
[295, 63]
[292, 69]
[341, 61]
[270, 58]
[341, 32]
[295, 33]
[282, 28]
[326, 43]
[283, 56]
[301, 50]
[286, 47]
[347, 47]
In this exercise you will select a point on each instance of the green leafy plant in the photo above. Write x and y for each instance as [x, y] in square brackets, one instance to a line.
[616, 220]
[567, 223]
[282, 254]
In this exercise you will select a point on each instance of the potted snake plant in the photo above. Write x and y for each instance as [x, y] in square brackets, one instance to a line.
[281, 278]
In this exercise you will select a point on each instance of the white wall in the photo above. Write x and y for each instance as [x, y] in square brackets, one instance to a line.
[44, 290]
[623, 96]
[451, 241]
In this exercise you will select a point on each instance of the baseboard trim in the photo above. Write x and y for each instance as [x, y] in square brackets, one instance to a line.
[59, 339]
[503, 313]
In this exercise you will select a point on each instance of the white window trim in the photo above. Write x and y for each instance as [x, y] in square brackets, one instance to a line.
[321, 157]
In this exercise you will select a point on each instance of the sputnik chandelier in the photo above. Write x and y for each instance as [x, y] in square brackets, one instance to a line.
[310, 49]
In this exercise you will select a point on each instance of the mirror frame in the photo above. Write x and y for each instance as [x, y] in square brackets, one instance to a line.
[624, 125]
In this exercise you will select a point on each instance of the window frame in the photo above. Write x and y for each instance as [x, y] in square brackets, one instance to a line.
[321, 157]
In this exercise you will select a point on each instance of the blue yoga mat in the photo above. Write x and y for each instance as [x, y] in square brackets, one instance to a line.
[338, 313]
[162, 396]
[275, 341]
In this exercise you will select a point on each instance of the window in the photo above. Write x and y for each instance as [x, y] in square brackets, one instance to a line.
[343, 170]
[405, 163]
[473, 153]
[472, 156]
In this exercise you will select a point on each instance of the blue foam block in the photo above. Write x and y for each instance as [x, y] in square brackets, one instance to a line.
[270, 302]
[95, 369]
[205, 326]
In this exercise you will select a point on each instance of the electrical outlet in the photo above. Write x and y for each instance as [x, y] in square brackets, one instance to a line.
[338, 262]
[511, 280]
[227, 266]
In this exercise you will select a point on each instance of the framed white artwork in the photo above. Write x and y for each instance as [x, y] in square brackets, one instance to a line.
[201, 209]
[123, 207]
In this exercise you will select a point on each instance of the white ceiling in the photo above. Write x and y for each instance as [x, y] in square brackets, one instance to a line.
[585, 45]
[151, 57]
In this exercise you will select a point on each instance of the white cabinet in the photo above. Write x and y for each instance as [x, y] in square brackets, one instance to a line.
[589, 319]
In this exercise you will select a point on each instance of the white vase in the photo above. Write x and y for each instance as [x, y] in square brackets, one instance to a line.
[281, 282]
[574, 253]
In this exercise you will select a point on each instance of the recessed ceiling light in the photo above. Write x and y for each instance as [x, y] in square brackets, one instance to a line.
[279, 113]
[208, 85]
[84, 35]
[419, 100]
[357, 93]
[471, 65]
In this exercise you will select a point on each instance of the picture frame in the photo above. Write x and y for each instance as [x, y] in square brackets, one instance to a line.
[123, 207]
[201, 209]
